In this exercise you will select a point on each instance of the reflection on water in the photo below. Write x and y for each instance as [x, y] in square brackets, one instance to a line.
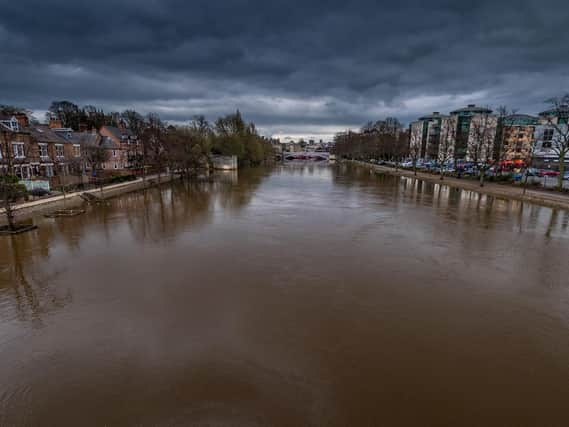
[303, 295]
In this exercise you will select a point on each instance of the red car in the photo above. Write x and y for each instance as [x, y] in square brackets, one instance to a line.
[548, 173]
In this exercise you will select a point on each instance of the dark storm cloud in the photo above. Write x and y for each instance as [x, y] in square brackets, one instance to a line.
[315, 67]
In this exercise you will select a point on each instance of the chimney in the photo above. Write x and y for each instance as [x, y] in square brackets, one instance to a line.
[55, 123]
[122, 126]
[23, 120]
[471, 105]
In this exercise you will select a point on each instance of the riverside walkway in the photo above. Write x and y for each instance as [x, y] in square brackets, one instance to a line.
[506, 191]
[27, 209]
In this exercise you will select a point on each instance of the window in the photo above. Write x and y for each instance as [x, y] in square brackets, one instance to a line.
[519, 146]
[59, 150]
[49, 171]
[22, 172]
[116, 166]
[114, 153]
[76, 150]
[520, 135]
[548, 138]
[18, 150]
[43, 151]
[14, 125]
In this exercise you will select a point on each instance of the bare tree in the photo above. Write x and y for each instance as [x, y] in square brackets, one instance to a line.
[500, 147]
[415, 143]
[558, 119]
[528, 164]
[10, 188]
[137, 155]
[446, 144]
[153, 139]
[481, 142]
[95, 156]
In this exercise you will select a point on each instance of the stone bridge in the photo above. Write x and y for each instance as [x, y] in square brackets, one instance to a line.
[312, 156]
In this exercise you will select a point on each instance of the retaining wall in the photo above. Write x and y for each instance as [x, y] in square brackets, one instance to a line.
[27, 210]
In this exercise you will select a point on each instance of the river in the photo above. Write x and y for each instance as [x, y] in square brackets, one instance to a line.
[292, 296]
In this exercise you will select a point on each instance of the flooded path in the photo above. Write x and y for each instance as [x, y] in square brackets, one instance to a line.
[301, 295]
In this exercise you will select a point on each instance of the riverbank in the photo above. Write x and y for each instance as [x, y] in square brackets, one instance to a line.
[27, 210]
[544, 198]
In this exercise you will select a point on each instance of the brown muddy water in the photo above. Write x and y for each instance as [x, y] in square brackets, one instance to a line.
[302, 295]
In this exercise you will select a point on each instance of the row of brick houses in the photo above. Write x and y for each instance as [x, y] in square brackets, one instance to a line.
[516, 139]
[52, 152]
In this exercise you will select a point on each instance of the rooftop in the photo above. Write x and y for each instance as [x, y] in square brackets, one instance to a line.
[471, 109]
[43, 133]
[118, 133]
[520, 119]
[562, 110]
[434, 115]
[108, 143]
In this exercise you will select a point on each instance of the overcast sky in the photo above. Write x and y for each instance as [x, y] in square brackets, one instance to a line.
[309, 69]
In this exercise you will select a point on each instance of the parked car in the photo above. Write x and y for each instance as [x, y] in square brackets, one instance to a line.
[566, 176]
[547, 172]
[533, 172]
[468, 171]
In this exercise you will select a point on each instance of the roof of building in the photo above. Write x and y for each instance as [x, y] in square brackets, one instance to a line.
[115, 131]
[85, 138]
[43, 133]
[119, 133]
[434, 115]
[562, 110]
[472, 109]
[520, 119]
[109, 143]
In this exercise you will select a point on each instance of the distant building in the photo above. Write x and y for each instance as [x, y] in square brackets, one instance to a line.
[124, 146]
[447, 139]
[37, 152]
[425, 136]
[466, 120]
[547, 138]
[517, 138]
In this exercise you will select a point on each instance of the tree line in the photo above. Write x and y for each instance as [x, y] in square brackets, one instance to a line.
[181, 145]
[384, 139]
